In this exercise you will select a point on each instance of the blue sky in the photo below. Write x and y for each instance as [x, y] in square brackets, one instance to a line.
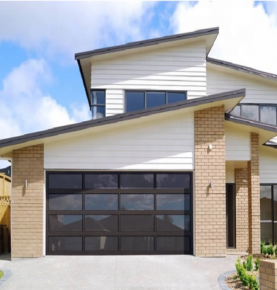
[40, 83]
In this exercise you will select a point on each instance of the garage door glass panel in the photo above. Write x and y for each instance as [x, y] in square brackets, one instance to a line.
[65, 181]
[101, 202]
[173, 223]
[65, 201]
[137, 223]
[65, 244]
[95, 180]
[172, 244]
[136, 180]
[137, 202]
[137, 243]
[173, 180]
[107, 223]
[101, 243]
[67, 223]
[173, 201]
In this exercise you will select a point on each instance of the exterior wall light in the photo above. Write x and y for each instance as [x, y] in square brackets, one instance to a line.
[211, 184]
[210, 147]
[26, 183]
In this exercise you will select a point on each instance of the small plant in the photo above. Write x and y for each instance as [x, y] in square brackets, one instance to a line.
[244, 277]
[249, 263]
[257, 264]
[270, 250]
[262, 247]
[264, 251]
[244, 265]
[252, 282]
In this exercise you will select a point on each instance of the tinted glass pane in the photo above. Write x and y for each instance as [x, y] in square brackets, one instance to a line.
[101, 243]
[98, 112]
[173, 180]
[101, 201]
[95, 180]
[65, 244]
[137, 223]
[268, 114]
[137, 243]
[236, 111]
[173, 223]
[107, 223]
[134, 101]
[98, 97]
[275, 233]
[173, 201]
[275, 201]
[265, 202]
[137, 201]
[175, 97]
[250, 112]
[67, 223]
[154, 99]
[65, 181]
[136, 180]
[266, 232]
[173, 244]
[68, 201]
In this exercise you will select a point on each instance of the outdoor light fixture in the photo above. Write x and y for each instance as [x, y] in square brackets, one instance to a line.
[211, 184]
[210, 147]
[26, 183]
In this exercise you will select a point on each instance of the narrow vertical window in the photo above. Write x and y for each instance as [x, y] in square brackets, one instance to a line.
[98, 101]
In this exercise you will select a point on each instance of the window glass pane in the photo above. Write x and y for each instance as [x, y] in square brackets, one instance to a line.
[65, 181]
[173, 223]
[250, 112]
[173, 201]
[134, 101]
[137, 223]
[236, 111]
[173, 97]
[107, 223]
[101, 201]
[68, 201]
[275, 201]
[98, 112]
[101, 243]
[65, 244]
[266, 232]
[154, 99]
[275, 234]
[173, 180]
[175, 244]
[101, 180]
[137, 201]
[136, 180]
[67, 223]
[137, 243]
[265, 202]
[268, 114]
[98, 97]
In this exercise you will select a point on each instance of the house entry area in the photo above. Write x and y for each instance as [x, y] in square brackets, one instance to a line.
[90, 213]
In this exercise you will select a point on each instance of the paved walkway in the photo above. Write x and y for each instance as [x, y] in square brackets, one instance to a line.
[115, 272]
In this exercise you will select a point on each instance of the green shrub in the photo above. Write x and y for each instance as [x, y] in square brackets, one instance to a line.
[249, 263]
[252, 282]
[244, 277]
[264, 251]
[244, 265]
[270, 250]
[257, 264]
[239, 267]
[262, 247]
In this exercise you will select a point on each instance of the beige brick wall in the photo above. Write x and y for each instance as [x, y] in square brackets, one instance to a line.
[210, 203]
[268, 275]
[27, 203]
[254, 196]
[242, 228]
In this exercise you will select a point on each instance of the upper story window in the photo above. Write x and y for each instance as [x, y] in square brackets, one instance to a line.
[98, 104]
[265, 113]
[137, 100]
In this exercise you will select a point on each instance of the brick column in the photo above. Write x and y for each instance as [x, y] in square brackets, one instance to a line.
[254, 196]
[242, 228]
[210, 203]
[268, 275]
[27, 203]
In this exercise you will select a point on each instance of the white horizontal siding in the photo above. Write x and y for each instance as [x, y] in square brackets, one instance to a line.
[256, 91]
[268, 165]
[164, 144]
[179, 68]
[237, 145]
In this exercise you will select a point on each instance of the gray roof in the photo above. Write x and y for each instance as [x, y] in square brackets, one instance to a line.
[241, 68]
[148, 42]
[121, 117]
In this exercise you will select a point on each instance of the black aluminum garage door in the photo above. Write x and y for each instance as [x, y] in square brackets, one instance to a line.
[90, 213]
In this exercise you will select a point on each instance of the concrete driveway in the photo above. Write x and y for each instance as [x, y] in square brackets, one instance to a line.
[115, 272]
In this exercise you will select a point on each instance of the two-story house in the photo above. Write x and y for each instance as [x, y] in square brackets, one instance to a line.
[178, 158]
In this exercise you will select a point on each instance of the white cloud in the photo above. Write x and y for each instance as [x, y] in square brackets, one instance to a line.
[64, 28]
[247, 35]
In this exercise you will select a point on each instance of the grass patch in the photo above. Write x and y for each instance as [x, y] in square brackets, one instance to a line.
[1, 274]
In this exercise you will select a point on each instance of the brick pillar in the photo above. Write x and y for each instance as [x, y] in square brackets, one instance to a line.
[242, 228]
[210, 203]
[27, 203]
[254, 196]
